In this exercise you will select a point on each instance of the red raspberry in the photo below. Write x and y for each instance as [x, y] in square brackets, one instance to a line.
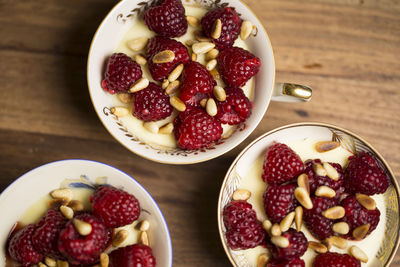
[356, 215]
[316, 223]
[281, 165]
[279, 200]
[151, 104]
[80, 249]
[45, 238]
[297, 262]
[114, 206]
[195, 129]
[137, 255]
[160, 71]
[333, 259]
[166, 18]
[363, 175]
[243, 229]
[236, 108]
[237, 66]
[21, 248]
[197, 83]
[121, 73]
[231, 23]
[298, 245]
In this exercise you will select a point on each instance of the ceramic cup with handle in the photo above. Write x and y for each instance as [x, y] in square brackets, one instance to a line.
[120, 19]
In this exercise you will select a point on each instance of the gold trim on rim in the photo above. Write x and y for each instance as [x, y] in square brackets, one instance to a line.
[293, 125]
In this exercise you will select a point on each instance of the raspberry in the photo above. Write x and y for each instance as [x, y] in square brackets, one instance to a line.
[21, 248]
[151, 104]
[80, 249]
[121, 73]
[279, 200]
[333, 259]
[236, 108]
[237, 66]
[243, 229]
[316, 223]
[356, 215]
[297, 262]
[298, 245]
[45, 237]
[197, 83]
[231, 23]
[114, 206]
[363, 175]
[160, 71]
[281, 164]
[137, 255]
[166, 18]
[195, 129]
[316, 181]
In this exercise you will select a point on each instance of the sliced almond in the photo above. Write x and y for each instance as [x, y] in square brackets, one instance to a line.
[50, 262]
[246, 29]
[357, 253]
[167, 128]
[104, 260]
[172, 88]
[177, 103]
[120, 238]
[203, 102]
[298, 218]
[164, 56]
[211, 107]
[325, 191]
[212, 54]
[165, 84]
[144, 225]
[215, 74]
[192, 21]
[76, 205]
[125, 98]
[262, 260]
[219, 93]
[190, 42]
[61, 263]
[336, 212]
[82, 227]
[194, 57]
[331, 172]
[341, 228]
[140, 60]
[64, 194]
[137, 44]
[276, 230]
[317, 247]
[303, 181]
[151, 126]
[336, 241]
[366, 201]
[120, 111]
[267, 225]
[175, 73]
[325, 146]
[280, 241]
[202, 47]
[140, 84]
[217, 29]
[144, 238]
[319, 169]
[287, 221]
[67, 212]
[241, 194]
[303, 197]
[361, 231]
[200, 36]
[211, 64]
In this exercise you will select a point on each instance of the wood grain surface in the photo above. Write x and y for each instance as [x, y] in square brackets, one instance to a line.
[348, 51]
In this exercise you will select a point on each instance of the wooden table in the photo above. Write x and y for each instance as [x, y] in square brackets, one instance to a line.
[348, 51]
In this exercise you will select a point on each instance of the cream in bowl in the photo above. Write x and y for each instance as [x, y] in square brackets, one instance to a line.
[317, 209]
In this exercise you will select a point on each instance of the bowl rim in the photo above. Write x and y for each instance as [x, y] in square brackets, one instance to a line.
[163, 221]
[171, 161]
[293, 125]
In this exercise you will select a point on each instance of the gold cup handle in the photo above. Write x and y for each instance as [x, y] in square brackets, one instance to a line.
[290, 92]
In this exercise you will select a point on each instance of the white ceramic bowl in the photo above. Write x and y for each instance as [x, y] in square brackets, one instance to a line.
[112, 29]
[33, 185]
[388, 243]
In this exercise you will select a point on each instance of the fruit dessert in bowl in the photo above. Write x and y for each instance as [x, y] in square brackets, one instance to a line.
[309, 194]
[183, 82]
[81, 213]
